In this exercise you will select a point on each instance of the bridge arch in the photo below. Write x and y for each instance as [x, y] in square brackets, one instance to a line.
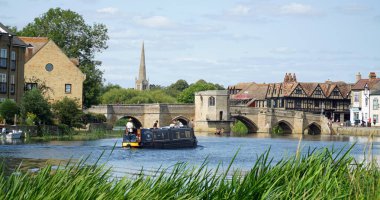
[136, 122]
[285, 126]
[182, 119]
[313, 129]
[252, 127]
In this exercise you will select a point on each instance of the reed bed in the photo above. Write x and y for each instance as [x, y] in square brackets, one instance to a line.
[316, 174]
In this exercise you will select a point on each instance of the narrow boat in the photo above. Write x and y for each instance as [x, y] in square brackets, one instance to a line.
[182, 137]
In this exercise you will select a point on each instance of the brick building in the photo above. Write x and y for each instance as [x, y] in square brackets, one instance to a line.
[12, 61]
[47, 64]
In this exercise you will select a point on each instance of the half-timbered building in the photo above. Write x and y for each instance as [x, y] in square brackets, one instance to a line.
[329, 98]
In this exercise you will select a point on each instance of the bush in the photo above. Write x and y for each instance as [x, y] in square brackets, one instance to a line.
[93, 118]
[8, 110]
[277, 130]
[239, 129]
[121, 122]
[67, 112]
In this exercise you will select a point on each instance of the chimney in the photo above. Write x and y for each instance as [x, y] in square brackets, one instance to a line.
[294, 77]
[372, 76]
[286, 79]
[29, 52]
[358, 77]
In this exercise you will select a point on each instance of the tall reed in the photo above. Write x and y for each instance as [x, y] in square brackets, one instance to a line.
[316, 174]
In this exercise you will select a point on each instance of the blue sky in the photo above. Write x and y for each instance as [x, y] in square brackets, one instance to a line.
[226, 41]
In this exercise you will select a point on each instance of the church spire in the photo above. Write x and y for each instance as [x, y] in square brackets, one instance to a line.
[142, 70]
[141, 82]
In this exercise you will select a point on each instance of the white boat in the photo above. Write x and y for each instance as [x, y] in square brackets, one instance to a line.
[14, 134]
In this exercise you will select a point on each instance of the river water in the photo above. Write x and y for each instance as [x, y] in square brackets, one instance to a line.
[216, 150]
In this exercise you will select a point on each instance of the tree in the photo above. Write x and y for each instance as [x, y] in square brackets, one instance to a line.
[77, 39]
[67, 112]
[34, 102]
[108, 87]
[187, 96]
[8, 110]
[176, 88]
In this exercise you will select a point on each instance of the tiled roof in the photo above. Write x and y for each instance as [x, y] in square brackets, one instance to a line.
[36, 42]
[362, 82]
[309, 88]
[253, 91]
[376, 89]
[240, 86]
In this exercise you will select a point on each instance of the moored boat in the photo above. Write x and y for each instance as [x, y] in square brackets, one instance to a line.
[14, 134]
[161, 138]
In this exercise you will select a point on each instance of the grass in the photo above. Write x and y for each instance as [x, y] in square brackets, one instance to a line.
[316, 174]
[79, 135]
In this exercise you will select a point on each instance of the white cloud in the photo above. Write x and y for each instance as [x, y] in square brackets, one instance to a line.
[240, 10]
[108, 10]
[154, 22]
[297, 9]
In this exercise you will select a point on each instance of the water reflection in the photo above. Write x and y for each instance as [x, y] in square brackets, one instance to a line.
[216, 149]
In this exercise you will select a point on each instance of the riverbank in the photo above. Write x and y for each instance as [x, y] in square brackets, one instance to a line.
[357, 131]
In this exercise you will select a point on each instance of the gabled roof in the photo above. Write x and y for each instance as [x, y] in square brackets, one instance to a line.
[376, 89]
[363, 82]
[308, 88]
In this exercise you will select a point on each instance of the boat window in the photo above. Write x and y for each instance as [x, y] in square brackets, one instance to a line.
[182, 134]
[187, 134]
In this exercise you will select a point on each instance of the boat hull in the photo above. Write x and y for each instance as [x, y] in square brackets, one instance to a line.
[161, 138]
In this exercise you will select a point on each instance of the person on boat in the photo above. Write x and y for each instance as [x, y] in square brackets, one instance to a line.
[130, 126]
[155, 125]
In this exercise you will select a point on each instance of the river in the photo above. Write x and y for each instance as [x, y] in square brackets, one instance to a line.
[216, 150]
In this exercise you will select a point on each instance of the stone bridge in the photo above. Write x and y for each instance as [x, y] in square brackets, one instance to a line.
[212, 112]
[144, 115]
[266, 119]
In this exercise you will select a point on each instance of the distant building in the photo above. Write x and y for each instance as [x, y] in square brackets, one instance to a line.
[360, 99]
[374, 110]
[329, 98]
[12, 61]
[47, 64]
[141, 82]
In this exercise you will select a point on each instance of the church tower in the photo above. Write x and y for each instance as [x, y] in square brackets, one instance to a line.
[141, 82]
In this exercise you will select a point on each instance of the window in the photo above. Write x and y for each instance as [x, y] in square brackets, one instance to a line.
[356, 97]
[13, 60]
[334, 104]
[67, 88]
[30, 86]
[3, 83]
[336, 92]
[12, 89]
[298, 91]
[375, 104]
[49, 67]
[3, 58]
[211, 101]
[298, 103]
[316, 103]
[318, 91]
[366, 102]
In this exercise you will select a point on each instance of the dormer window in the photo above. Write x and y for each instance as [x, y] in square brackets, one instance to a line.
[298, 91]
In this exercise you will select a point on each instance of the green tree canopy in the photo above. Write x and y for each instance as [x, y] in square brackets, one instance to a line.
[131, 96]
[8, 109]
[67, 112]
[77, 39]
[187, 96]
[176, 88]
[34, 102]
